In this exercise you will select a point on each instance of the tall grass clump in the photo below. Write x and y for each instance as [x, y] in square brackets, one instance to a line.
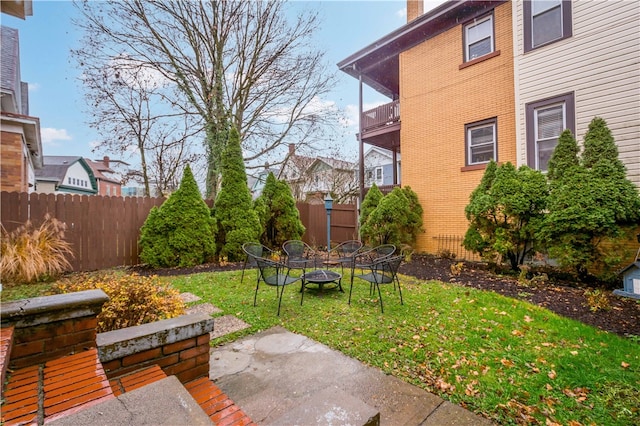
[30, 253]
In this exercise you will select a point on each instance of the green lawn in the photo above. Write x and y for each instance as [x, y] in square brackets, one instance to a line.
[507, 359]
[511, 361]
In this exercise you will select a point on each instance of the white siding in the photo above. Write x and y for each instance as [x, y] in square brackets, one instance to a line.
[600, 63]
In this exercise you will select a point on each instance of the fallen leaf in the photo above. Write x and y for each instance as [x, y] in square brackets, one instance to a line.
[574, 352]
[517, 333]
[527, 318]
[552, 374]
[507, 363]
[624, 364]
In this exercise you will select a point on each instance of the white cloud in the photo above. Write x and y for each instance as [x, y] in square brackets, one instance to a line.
[50, 136]
[34, 87]
[402, 13]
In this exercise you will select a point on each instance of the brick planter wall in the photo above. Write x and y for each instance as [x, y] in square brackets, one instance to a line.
[180, 346]
[49, 327]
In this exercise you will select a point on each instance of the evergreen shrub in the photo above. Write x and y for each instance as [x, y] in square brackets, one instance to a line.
[181, 232]
[237, 220]
[279, 215]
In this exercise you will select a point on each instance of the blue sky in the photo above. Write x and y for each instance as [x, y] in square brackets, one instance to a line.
[55, 95]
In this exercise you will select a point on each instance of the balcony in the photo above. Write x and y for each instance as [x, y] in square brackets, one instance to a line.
[381, 126]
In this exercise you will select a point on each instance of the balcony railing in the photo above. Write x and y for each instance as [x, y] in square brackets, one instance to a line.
[381, 116]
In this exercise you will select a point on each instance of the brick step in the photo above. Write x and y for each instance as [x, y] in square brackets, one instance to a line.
[57, 388]
[6, 342]
[135, 380]
[219, 407]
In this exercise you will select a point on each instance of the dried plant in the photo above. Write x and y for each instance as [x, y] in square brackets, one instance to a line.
[29, 253]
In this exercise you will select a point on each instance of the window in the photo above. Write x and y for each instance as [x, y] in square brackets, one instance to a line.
[481, 142]
[546, 119]
[546, 21]
[478, 38]
[69, 181]
[379, 176]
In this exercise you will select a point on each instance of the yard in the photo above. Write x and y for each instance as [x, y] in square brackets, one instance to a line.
[503, 357]
[508, 359]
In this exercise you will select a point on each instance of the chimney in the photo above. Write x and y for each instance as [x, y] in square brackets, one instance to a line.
[292, 149]
[105, 161]
[415, 8]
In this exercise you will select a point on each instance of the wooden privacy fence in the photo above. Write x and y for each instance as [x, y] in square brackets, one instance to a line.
[104, 231]
[344, 220]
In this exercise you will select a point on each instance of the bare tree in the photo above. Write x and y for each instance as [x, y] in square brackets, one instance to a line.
[123, 98]
[235, 63]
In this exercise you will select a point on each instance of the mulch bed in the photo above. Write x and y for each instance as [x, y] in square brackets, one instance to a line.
[622, 316]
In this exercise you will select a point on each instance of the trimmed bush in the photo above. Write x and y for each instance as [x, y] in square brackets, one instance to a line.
[279, 215]
[238, 222]
[393, 221]
[591, 202]
[181, 232]
[29, 253]
[369, 203]
[133, 299]
[505, 212]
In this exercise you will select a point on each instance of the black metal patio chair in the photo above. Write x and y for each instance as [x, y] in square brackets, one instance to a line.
[274, 274]
[253, 250]
[365, 257]
[344, 254]
[299, 255]
[382, 271]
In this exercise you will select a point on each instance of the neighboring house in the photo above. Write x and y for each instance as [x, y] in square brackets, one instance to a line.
[108, 181]
[256, 182]
[482, 80]
[576, 60]
[378, 167]
[20, 143]
[315, 177]
[65, 175]
[449, 75]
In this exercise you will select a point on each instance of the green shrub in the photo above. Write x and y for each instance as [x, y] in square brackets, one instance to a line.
[591, 202]
[133, 299]
[237, 220]
[181, 232]
[279, 215]
[369, 203]
[396, 220]
[29, 253]
[504, 213]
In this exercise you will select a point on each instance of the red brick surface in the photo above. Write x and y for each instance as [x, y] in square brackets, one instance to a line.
[179, 346]
[218, 406]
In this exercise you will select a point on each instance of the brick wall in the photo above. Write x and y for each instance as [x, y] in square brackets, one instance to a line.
[46, 328]
[13, 170]
[438, 99]
[180, 346]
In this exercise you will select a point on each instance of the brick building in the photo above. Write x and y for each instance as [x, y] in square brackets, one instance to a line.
[20, 144]
[495, 80]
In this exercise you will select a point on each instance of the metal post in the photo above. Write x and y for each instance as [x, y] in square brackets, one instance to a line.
[328, 205]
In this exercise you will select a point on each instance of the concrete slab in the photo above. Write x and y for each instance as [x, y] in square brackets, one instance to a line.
[331, 407]
[165, 402]
[273, 373]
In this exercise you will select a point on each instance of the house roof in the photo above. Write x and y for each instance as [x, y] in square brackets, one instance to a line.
[55, 167]
[18, 8]
[378, 63]
[382, 151]
[10, 71]
[634, 265]
[101, 171]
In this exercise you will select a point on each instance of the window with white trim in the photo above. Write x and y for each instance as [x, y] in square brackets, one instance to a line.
[478, 38]
[481, 142]
[546, 119]
[546, 21]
